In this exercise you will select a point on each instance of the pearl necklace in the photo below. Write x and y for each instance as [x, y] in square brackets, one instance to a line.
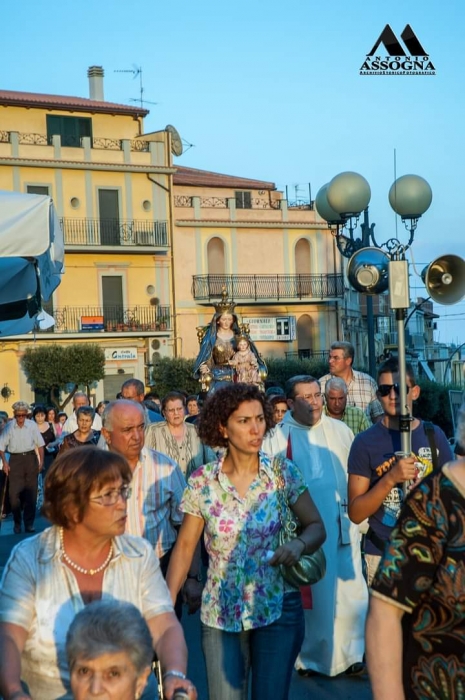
[80, 569]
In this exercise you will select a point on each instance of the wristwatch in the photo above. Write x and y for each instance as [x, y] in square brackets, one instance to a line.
[196, 577]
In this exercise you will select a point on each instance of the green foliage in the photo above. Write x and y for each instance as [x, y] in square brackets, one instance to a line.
[433, 404]
[50, 367]
[280, 370]
[174, 373]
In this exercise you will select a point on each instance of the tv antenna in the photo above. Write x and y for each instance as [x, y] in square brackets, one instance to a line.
[137, 71]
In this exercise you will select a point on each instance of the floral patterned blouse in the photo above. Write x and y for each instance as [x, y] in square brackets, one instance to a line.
[242, 591]
[423, 572]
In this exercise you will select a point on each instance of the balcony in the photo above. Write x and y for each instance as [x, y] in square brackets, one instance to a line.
[268, 288]
[115, 232]
[110, 319]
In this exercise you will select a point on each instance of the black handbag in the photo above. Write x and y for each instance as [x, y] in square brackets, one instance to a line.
[311, 567]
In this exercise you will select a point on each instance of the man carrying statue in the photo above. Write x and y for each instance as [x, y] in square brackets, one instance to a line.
[220, 353]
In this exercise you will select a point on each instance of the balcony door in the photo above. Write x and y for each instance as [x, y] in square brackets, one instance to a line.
[112, 297]
[108, 206]
[304, 335]
[216, 266]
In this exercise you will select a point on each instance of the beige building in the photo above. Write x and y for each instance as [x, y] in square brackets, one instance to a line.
[278, 262]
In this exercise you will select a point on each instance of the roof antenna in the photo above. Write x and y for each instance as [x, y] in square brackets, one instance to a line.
[137, 71]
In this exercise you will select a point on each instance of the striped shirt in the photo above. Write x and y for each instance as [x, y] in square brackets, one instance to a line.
[153, 508]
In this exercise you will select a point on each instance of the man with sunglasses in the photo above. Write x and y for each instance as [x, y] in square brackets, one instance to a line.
[23, 440]
[376, 475]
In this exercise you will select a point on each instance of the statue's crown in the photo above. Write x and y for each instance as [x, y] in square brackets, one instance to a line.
[225, 306]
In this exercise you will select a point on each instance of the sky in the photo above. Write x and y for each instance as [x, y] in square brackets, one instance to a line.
[272, 91]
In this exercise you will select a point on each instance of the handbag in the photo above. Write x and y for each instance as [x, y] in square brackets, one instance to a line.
[311, 567]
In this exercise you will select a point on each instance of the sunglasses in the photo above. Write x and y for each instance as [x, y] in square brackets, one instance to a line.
[385, 389]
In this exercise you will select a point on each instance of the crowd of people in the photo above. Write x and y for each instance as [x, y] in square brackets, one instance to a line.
[155, 502]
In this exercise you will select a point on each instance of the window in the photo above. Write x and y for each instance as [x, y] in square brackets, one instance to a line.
[243, 200]
[71, 129]
[37, 189]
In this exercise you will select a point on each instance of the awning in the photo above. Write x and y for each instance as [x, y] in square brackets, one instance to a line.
[425, 367]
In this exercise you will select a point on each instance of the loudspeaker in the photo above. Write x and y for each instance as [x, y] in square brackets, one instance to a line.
[444, 279]
[367, 271]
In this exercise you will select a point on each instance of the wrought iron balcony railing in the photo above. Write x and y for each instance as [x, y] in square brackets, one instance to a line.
[111, 319]
[268, 287]
[115, 232]
[308, 355]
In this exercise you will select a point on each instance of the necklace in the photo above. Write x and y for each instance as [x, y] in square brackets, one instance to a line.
[86, 572]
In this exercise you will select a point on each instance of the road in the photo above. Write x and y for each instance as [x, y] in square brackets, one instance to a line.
[316, 688]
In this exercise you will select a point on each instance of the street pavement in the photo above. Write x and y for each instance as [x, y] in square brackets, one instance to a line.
[315, 688]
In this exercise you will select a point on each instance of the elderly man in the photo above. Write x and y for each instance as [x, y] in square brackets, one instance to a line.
[336, 406]
[133, 390]
[80, 398]
[361, 388]
[157, 484]
[319, 445]
[22, 439]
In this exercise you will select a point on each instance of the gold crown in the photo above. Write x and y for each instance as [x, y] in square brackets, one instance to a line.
[225, 306]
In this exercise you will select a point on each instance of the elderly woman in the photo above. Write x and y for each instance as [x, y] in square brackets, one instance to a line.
[251, 618]
[84, 435]
[84, 556]
[416, 623]
[218, 345]
[176, 438]
[109, 650]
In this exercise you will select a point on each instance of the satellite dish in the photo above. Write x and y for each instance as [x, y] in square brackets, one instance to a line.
[176, 141]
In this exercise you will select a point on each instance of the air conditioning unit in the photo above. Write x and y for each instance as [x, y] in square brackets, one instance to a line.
[157, 348]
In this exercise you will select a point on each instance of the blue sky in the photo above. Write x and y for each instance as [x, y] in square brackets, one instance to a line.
[272, 91]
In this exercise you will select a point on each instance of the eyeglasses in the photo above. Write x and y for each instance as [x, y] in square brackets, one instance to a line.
[110, 498]
[20, 415]
[174, 410]
[385, 389]
[309, 397]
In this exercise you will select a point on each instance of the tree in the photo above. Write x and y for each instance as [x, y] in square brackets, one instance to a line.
[52, 367]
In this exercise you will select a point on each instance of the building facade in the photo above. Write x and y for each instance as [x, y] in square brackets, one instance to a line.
[277, 261]
[111, 186]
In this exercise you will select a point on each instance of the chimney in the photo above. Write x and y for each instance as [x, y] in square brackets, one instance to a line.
[95, 75]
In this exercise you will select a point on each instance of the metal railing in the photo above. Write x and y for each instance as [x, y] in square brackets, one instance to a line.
[207, 287]
[75, 141]
[111, 319]
[115, 232]
[308, 355]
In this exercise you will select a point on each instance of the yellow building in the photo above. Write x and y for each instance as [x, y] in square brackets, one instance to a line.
[149, 246]
[277, 260]
[111, 186]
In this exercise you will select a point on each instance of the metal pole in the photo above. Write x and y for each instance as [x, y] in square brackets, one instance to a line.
[404, 417]
[370, 317]
[371, 337]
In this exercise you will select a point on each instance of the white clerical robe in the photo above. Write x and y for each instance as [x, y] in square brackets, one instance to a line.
[334, 627]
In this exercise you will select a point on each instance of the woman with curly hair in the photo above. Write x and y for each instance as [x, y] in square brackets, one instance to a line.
[252, 620]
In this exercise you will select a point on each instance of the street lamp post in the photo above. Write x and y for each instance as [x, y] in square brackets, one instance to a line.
[372, 267]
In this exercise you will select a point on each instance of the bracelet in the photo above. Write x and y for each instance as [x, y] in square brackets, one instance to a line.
[175, 674]
[303, 542]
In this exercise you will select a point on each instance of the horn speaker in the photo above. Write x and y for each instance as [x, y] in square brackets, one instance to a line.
[444, 279]
[367, 271]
